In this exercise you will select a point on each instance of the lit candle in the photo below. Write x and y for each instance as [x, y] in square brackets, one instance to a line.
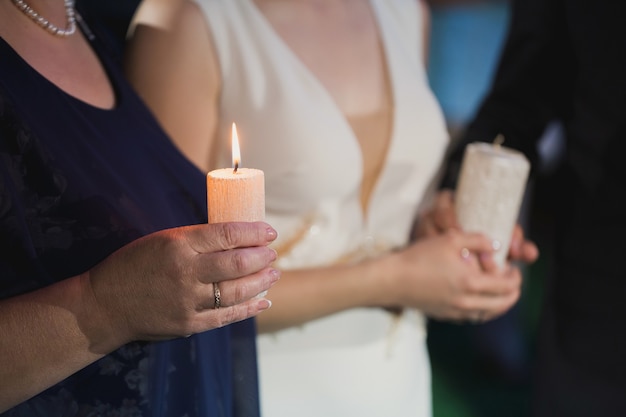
[490, 191]
[235, 194]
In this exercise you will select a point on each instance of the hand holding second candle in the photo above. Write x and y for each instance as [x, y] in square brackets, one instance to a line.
[488, 200]
[500, 290]
[432, 275]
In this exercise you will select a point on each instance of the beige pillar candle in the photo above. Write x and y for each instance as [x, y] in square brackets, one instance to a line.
[235, 194]
[490, 191]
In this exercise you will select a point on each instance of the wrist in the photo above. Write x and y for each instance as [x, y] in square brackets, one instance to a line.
[382, 273]
[96, 323]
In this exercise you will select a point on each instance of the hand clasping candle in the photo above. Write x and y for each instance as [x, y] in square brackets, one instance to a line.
[235, 194]
[490, 191]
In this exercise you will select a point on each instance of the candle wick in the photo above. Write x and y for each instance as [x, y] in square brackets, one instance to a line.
[236, 167]
[499, 140]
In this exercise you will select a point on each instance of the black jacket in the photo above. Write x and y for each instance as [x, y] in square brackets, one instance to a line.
[565, 60]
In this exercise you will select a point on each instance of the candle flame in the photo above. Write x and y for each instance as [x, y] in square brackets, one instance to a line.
[235, 148]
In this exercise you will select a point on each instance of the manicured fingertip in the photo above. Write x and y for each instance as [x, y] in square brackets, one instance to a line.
[271, 234]
[275, 275]
[264, 304]
[531, 252]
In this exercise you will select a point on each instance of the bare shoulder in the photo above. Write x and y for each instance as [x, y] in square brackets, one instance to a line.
[172, 64]
[167, 28]
[164, 14]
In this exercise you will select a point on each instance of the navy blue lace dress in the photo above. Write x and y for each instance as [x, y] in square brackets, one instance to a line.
[78, 182]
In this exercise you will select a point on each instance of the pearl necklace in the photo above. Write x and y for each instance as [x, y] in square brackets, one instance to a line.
[70, 15]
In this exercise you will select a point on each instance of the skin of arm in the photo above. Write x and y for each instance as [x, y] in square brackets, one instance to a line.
[429, 275]
[49, 334]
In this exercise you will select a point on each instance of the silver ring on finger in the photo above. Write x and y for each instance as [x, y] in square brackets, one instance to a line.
[217, 296]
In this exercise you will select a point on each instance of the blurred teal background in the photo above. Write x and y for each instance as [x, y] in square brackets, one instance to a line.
[466, 38]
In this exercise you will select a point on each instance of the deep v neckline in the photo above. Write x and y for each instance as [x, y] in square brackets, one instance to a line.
[388, 69]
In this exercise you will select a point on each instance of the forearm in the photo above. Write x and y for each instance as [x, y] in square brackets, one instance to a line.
[412, 277]
[47, 335]
[429, 275]
[305, 295]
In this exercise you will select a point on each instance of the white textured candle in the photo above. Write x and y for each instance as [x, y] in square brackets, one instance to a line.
[235, 196]
[490, 190]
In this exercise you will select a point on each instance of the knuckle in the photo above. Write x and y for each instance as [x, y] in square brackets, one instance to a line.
[240, 291]
[461, 304]
[230, 235]
[187, 328]
[240, 294]
[179, 268]
[186, 322]
[239, 261]
[228, 316]
[467, 283]
[220, 319]
[453, 237]
[220, 263]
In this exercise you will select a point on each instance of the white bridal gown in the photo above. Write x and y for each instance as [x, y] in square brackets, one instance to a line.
[362, 362]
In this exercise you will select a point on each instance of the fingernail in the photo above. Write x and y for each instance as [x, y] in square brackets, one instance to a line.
[274, 254]
[274, 275]
[264, 304]
[271, 234]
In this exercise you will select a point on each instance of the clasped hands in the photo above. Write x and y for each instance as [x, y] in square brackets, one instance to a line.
[458, 279]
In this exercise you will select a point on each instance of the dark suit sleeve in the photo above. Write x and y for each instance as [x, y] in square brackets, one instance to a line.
[531, 86]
